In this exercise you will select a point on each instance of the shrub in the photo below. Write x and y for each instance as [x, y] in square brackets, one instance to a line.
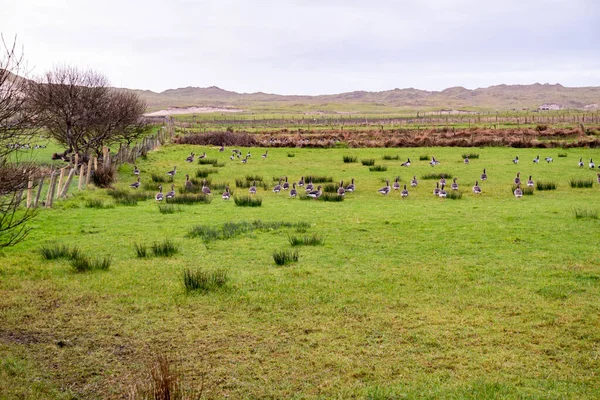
[283, 257]
[543, 185]
[368, 162]
[204, 280]
[141, 250]
[378, 168]
[580, 213]
[247, 201]
[306, 240]
[470, 156]
[103, 177]
[350, 159]
[56, 251]
[581, 183]
[388, 157]
[164, 249]
[436, 176]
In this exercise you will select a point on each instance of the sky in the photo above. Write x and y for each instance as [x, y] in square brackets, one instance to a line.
[312, 46]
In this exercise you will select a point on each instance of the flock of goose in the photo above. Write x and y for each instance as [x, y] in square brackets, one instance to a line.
[284, 185]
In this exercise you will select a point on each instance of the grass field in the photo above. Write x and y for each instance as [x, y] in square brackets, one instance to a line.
[480, 297]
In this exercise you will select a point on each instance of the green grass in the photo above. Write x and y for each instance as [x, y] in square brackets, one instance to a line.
[306, 240]
[368, 162]
[378, 168]
[471, 156]
[165, 248]
[204, 281]
[283, 257]
[436, 176]
[57, 251]
[247, 201]
[390, 157]
[350, 159]
[203, 173]
[486, 297]
[581, 183]
[545, 185]
[83, 263]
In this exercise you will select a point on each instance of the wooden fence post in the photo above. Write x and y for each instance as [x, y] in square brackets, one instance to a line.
[65, 188]
[88, 172]
[95, 163]
[39, 192]
[81, 177]
[29, 192]
[60, 179]
[51, 188]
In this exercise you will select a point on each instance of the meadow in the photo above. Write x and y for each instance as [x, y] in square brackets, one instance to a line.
[484, 296]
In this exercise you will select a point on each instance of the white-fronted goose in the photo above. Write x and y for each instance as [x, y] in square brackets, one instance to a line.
[309, 186]
[518, 178]
[436, 191]
[315, 194]
[190, 158]
[277, 187]
[386, 189]
[598, 177]
[293, 192]
[549, 160]
[172, 172]
[222, 148]
[188, 183]
[205, 189]
[286, 185]
[171, 193]
[203, 155]
[252, 189]
[136, 171]
[414, 181]
[454, 185]
[442, 192]
[159, 195]
[442, 181]
[466, 160]
[301, 182]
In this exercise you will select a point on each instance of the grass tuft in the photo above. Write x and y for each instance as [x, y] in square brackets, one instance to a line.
[256, 178]
[291, 155]
[378, 168]
[318, 178]
[283, 257]
[527, 191]
[247, 201]
[168, 208]
[368, 162]
[96, 203]
[203, 173]
[581, 213]
[470, 156]
[56, 251]
[208, 161]
[188, 198]
[159, 178]
[581, 183]
[164, 249]
[544, 185]
[436, 176]
[330, 188]
[141, 250]
[82, 263]
[306, 240]
[350, 159]
[330, 197]
[562, 154]
[454, 195]
[230, 230]
[204, 281]
[388, 157]
[423, 158]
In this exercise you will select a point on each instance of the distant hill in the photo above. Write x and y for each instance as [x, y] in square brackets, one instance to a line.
[500, 97]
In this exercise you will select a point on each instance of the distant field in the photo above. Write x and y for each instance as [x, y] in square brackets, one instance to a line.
[484, 296]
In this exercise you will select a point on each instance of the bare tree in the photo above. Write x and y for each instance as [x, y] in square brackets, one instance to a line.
[81, 111]
[15, 131]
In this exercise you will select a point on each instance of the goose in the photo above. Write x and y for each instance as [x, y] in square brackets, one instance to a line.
[301, 182]
[433, 161]
[309, 186]
[591, 164]
[235, 151]
[293, 192]
[222, 148]
[341, 191]
[476, 188]
[315, 194]
[350, 188]
[159, 195]
[529, 182]
[598, 174]
[171, 193]
[537, 159]
[516, 160]
[265, 155]
[205, 189]
[396, 184]
[245, 160]
[136, 171]
[518, 178]
[406, 163]
[226, 195]
[466, 160]
[414, 182]
[203, 155]
[135, 185]
[442, 181]
[484, 175]
[252, 189]
[277, 187]
[518, 192]
[172, 172]
[436, 191]
[232, 157]
[239, 155]
[248, 155]
[404, 192]
[549, 160]
[580, 162]
[442, 192]
[188, 183]
[286, 185]
[190, 158]
[386, 189]
[454, 185]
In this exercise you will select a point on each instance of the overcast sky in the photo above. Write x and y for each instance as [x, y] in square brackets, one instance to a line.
[312, 46]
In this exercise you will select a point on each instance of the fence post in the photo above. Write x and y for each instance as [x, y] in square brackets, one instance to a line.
[50, 194]
[39, 192]
[81, 177]
[65, 188]
[60, 179]
[29, 192]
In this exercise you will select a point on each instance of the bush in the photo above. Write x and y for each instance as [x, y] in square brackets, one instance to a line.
[285, 256]
[103, 177]
[306, 240]
[581, 183]
[368, 162]
[56, 251]
[247, 201]
[164, 249]
[542, 185]
[350, 159]
[204, 280]
[378, 168]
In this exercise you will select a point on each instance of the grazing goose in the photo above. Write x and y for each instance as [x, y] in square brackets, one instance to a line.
[205, 189]
[171, 193]
[341, 191]
[466, 160]
[529, 182]
[484, 175]
[406, 163]
[252, 189]
[350, 188]
[404, 192]
[286, 185]
[277, 187]
[516, 160]
[414, 182]
[476, 188]
[396, 184]
[442, 192]
[580, 162]
[315, 194]
[386, 189]
[442, 181]
[301, 182]
[136, 171]
[518, 178]
[436, 191]
[226, 195]
[245, 160]
[309, 186]
[188, 183]
[265, 155]
[537, 159]
[293, 192]
[232, 157]
[190, 158]
[222, 148]
[549, 160]
[159, 195]
[518, 192]
[203, 155]
[172, 172]
[591, 164]
[248, 155]
[135, 185]
[454, 185]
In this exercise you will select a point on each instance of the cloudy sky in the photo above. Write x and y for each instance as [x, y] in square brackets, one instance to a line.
[312, 46]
